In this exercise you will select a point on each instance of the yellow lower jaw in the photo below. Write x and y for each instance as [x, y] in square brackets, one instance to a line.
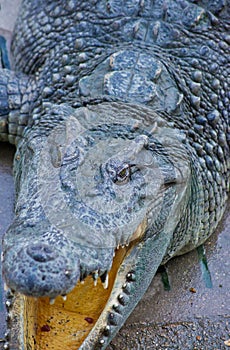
[65, 325]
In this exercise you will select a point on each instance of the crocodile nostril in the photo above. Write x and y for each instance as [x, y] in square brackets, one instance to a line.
[41, 252]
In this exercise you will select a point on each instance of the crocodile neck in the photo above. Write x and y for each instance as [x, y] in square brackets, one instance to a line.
[18, 95]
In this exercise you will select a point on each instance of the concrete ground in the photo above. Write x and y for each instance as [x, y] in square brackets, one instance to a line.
[187, 306]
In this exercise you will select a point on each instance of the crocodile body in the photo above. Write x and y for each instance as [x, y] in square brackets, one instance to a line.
[119, 111]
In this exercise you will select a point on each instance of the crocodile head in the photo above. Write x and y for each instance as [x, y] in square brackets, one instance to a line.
[99, 196]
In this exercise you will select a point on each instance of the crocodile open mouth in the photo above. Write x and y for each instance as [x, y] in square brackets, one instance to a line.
[66, 323]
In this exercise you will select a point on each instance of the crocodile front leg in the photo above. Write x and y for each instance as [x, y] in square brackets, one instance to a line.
[14, 105]
[15, 97]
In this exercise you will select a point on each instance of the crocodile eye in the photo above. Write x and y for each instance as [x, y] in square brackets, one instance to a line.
[119, 173]
[123, 175]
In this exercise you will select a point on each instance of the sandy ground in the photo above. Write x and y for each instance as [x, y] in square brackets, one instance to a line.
[192, 312]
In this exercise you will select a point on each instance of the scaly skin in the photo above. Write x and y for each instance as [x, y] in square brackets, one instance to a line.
[126, 144]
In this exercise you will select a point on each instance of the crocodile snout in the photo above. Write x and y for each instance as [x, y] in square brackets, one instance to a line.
[38, 269]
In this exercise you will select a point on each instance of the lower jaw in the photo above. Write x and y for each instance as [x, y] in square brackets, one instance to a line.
[65, 324]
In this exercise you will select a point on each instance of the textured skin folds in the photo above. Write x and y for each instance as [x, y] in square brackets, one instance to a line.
[126, 105]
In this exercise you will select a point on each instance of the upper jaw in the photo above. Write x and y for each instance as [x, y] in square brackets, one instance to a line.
[49, 264]
[44, 262]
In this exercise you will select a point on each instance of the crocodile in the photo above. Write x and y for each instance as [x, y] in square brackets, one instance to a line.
[119, 114]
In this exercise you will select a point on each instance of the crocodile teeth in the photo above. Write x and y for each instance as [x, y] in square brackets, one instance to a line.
[52, 301]
[106, 282]
[6, 346]
[95, 277]
[64, 297]
[180, 98]
[8, 304]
